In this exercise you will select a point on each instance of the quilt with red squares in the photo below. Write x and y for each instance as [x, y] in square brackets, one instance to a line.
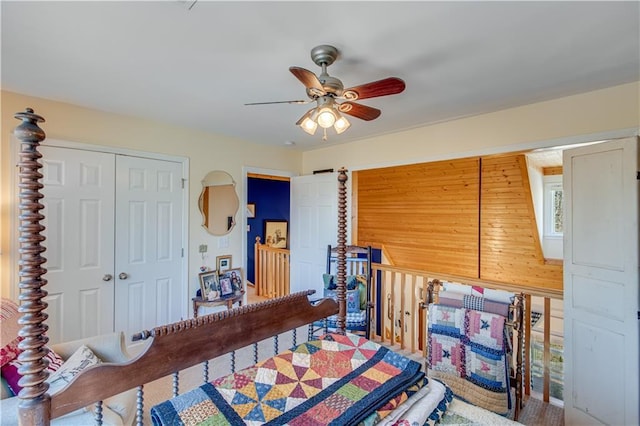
[336, 379]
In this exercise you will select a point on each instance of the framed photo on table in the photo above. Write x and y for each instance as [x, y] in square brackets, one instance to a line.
[276, 233]
[209, 285]
[235, 278]
[226, 288]
[223, 263]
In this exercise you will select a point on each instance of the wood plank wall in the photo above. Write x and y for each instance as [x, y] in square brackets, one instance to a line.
[425, 215]
[470, 217]
[510, 249]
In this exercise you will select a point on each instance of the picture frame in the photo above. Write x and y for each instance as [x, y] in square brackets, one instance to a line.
[251, 210]
[233, 278]
[226, 288]
[223, 263]
[276, 233]
[209, 285]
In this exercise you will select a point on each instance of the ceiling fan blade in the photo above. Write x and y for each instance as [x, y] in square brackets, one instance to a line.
[360, 111]
[298, 102]
[309, 80]
[387, 86]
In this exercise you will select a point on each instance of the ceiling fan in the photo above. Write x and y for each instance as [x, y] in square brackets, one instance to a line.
[326, 90]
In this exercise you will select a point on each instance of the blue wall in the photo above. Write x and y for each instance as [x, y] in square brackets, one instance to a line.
[272, 199]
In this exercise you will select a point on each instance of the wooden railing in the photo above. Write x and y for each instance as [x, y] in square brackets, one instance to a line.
[271, 270]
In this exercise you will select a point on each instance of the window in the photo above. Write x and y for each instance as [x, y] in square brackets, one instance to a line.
[556, 219]
[553, 207]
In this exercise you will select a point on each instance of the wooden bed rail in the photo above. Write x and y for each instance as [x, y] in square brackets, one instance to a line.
[184, 344]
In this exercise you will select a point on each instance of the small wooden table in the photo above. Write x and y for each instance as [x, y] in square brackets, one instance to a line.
[228, 301]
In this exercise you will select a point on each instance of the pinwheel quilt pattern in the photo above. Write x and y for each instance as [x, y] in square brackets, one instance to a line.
[336, 379]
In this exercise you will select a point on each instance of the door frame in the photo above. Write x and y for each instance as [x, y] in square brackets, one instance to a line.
[13, 219]
[246, 170]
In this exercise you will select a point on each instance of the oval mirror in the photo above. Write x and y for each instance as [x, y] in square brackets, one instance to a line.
[218, 203]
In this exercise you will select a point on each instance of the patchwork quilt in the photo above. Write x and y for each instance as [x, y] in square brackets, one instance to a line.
[468, 352]
[339, 380]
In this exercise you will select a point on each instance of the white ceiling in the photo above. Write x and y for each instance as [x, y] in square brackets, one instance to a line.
[197, 67]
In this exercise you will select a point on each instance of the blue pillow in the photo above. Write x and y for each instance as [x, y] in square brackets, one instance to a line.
[353, 299]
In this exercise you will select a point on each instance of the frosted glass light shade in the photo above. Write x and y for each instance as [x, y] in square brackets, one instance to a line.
[326, 117]
[309, 126]
[341, 124]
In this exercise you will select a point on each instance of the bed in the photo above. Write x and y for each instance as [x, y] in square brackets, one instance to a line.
[337, 378]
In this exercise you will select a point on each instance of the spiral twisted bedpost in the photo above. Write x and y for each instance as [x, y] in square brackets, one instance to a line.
[35, 404]
[341, 291]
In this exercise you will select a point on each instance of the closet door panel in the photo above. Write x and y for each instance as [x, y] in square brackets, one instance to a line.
[79, 220]
[149, 241]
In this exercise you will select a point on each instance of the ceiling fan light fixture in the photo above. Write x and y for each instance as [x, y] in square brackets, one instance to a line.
[309, 126]
[307, 122]
[326, 117]
[341, 124]
[325, 90]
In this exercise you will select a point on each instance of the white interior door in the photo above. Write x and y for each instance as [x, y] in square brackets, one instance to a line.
[79, 220]
[314, 225]
[601, 284]
[149, 240]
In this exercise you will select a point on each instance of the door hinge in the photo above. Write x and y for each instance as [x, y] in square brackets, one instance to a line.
[182, 255]
[182, 181]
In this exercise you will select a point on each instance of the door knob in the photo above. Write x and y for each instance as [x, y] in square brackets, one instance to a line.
[107, 277]
[123, 276]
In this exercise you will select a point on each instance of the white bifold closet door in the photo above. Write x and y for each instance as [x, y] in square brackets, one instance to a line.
[114, 242]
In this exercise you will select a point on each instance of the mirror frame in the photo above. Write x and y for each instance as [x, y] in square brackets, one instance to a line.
[217, 179]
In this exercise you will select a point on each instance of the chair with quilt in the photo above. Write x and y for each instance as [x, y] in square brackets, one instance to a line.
[358, 270]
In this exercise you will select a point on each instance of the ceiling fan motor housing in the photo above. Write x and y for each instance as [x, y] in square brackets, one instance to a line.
[331, 85]
[324, 54]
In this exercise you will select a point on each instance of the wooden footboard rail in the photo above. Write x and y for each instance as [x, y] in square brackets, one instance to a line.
[184, 344]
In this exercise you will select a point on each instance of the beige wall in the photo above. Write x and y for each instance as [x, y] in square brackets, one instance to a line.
[205, 151]
[503, 131]
[529, 126]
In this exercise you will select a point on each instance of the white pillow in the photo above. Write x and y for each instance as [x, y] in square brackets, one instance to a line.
[80, 360]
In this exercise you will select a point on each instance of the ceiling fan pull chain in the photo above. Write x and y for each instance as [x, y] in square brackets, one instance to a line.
[324, 137]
